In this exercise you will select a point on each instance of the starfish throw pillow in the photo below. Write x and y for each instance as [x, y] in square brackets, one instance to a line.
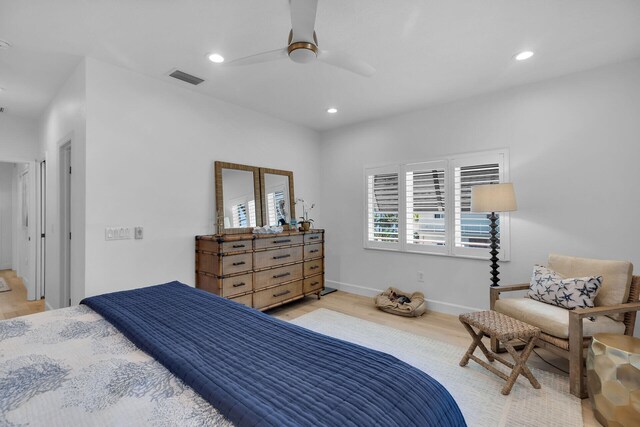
[552, 288]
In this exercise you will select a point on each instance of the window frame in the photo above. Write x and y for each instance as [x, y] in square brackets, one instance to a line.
[450, 162]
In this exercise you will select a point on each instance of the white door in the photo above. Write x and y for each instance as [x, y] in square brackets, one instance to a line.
[6, 215]
[26, 229]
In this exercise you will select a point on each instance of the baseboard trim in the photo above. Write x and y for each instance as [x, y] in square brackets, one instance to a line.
[433, 305]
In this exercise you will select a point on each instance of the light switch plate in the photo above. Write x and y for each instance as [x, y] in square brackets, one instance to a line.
[138, 233]
[117, 233]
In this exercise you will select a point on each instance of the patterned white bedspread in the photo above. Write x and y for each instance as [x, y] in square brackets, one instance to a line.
[70, 367]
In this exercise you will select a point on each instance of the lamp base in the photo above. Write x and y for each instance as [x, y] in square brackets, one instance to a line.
[494, 249]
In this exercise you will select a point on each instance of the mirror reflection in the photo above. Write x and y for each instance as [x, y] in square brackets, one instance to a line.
[278, 209]
[239, 198]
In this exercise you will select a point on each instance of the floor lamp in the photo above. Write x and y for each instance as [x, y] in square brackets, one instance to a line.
[493, 198]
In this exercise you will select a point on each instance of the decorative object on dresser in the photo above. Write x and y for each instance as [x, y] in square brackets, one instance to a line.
[492, 198]
[263, 270]
[305, 221]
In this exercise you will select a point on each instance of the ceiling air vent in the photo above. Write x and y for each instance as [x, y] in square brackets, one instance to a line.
[181, 75]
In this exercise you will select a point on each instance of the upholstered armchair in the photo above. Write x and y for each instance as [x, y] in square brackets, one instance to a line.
[567, 333]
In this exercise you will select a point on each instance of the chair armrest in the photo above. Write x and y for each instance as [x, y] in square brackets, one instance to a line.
[581, 313]
[509, 288]
[494, 292]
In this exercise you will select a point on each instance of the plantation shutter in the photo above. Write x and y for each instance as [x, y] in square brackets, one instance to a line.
[273, 205]
[383, 206]
[239, 215]
[425, 193]
[472, 229]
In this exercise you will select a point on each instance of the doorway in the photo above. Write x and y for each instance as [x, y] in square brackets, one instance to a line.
[18, 221]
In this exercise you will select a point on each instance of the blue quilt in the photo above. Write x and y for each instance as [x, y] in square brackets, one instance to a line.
[261, 371]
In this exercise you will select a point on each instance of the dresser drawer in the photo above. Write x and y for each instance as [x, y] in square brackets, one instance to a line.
[237, 285]
[277, 275]
[237, 246]
[244, 299]
[312, 284]
[313, 238]
[275, 241]
[312, 267]
[237, 263]
[275, 257]
[275, 295]
[313, 251]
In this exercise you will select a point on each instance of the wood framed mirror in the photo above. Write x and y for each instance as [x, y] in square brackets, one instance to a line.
[278, 200]
[238, 202]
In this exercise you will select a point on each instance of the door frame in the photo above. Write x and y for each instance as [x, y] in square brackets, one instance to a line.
[65, 152]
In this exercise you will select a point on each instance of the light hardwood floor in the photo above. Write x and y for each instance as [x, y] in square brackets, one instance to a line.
[14, 302]
[439, 326]
[444, 327]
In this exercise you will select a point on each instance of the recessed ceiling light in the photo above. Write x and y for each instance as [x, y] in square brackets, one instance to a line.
[332, 110]
[4, 44]
[216, 58]
[524, 55]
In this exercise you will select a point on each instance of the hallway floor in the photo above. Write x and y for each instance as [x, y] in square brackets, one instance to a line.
[14, 303]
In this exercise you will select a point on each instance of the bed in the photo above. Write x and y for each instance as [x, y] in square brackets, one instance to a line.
[177, 356]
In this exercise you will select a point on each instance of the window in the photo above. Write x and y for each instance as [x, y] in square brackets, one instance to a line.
[275, 207]
[242, 218]
[425, 197]
[426, 207]
[382, 207]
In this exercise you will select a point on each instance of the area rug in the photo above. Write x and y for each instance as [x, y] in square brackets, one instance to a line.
[476, 390]
[3, 285]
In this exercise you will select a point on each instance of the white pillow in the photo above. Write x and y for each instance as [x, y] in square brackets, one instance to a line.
[552, 288]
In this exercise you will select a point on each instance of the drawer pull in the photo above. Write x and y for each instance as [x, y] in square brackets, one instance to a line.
[314, 251]
[315, 283]
[277, 276]
[282, 241]
[313, 267]
[239, 263]
[279, 294]
[238, 246]
[314, 237]
[282, 256]
[237, 285]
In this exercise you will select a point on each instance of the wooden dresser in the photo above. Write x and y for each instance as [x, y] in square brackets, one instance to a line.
[261, 270]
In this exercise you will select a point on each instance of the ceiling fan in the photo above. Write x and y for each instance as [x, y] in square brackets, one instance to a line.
[303, 44]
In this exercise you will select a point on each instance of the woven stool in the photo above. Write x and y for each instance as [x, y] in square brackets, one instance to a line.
[503, 328]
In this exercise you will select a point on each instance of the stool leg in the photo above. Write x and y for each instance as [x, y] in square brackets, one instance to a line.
[520, 361]
[477, 342]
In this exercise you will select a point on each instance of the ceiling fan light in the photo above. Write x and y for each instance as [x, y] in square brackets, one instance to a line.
[216, 58]
[302, 52]
[524, 55]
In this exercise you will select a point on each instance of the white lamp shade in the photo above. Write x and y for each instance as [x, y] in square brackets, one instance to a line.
[493, 198]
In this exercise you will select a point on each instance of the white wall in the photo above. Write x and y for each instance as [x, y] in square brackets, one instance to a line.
[6, 215]
[18, 138]
[574, 148]
[62, 121]
[150, 152]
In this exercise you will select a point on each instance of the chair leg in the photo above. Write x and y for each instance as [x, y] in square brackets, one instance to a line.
[577, 383]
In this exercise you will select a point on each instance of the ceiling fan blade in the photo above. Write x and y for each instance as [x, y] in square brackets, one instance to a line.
[346, 62]
[303, 19]
[272, 55]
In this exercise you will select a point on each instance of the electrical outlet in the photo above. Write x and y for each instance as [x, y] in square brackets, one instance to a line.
[421, 276]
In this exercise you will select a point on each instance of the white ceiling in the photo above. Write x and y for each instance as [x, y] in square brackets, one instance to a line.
[425, 51]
